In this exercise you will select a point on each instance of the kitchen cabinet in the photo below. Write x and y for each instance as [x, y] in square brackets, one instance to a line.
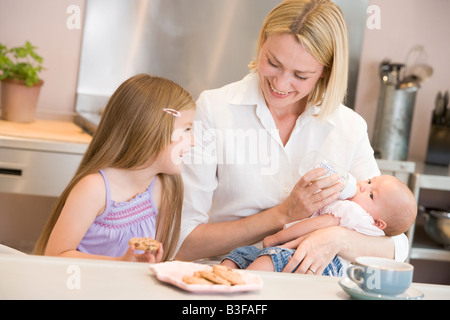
[39, 158]
[433, 178]
[37, 161]
[33, 172]
[419, 176]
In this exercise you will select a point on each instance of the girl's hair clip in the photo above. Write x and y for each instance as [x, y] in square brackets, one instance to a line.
[172, 112]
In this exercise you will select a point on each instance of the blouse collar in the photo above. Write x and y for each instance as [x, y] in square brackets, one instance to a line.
[249, 93]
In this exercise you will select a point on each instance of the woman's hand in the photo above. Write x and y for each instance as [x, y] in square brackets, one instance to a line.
[315, 250]
[147, 257]
[310, 194]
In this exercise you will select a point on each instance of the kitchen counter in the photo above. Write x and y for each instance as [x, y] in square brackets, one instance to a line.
[36, 277]
[44, 135]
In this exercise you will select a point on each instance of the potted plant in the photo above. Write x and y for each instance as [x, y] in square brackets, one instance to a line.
[20, 82]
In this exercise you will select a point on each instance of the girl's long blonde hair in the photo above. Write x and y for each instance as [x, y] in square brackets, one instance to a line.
[320, 28]
[134, 129]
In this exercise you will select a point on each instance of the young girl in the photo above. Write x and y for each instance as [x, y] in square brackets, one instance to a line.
[128, 183]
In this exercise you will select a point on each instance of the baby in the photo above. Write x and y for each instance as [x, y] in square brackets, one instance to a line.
[382, 206]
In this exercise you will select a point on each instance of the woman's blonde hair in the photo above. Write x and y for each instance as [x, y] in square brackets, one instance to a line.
[134, 129]
[319, 26]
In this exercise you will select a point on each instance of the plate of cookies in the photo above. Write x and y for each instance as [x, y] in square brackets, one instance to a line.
[195, 277]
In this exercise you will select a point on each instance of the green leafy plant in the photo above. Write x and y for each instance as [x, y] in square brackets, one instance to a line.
[20, 63]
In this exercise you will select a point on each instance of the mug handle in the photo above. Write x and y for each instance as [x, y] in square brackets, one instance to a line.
[351, 274]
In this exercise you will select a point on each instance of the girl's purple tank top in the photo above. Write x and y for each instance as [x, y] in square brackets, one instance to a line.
[121, 221]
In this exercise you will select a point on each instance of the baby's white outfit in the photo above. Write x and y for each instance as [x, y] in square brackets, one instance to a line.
[352, 216]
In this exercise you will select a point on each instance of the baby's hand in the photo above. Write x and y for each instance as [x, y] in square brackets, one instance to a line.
[269, 241]
[147, 257]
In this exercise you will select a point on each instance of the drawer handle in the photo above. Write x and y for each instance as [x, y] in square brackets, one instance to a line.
[10, 172]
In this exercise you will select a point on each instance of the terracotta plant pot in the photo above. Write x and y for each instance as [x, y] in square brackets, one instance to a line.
[18, 101]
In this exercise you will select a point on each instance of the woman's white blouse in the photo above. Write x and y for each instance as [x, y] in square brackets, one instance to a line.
[240, 167]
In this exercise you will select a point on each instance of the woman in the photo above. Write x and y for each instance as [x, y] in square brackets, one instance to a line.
[243, 183]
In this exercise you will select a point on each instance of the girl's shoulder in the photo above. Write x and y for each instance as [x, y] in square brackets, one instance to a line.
[92, 182]
[90, 191]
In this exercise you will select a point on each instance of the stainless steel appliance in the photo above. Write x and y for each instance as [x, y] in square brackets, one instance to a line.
[200, 44]
[394, 113]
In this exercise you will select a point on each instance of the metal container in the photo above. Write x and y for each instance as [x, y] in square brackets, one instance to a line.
[437, 226]
[394, 113]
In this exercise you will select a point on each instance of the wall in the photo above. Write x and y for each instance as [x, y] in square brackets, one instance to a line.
[405, 24]
[44, 24]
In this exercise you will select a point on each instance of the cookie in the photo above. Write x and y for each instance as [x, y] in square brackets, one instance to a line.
[195, 280]
[211, 276]
[228, 274]
[219, 275]
[145, 244]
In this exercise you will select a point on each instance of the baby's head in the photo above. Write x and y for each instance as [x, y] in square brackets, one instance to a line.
[390, 203]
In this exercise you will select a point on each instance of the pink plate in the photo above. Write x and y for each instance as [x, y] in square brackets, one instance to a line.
[174, 271]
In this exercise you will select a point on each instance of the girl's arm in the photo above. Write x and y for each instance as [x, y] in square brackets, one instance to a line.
[299, 229]
[147, 257]
[85, 202]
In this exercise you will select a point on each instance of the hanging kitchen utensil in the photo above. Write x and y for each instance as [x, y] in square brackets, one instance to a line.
[446, 115]
[422, 72]
[437, 112]
[438, 151]
[416, 67]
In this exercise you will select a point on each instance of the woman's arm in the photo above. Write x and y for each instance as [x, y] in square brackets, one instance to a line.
[317, 249]
[299, 229]
[212, 239]
[130, 255]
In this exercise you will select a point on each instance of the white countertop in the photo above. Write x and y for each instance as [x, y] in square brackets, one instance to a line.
[35, 277]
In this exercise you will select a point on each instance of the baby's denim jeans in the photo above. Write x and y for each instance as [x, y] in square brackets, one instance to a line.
[244, 256]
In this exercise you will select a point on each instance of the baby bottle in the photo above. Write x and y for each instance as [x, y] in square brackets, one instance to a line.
[315, 159]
